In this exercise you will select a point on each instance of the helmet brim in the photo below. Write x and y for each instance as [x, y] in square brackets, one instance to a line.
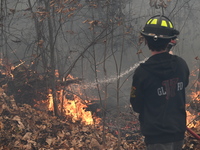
[158, 36]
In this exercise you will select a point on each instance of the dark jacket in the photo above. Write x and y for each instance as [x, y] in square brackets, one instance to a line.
[158, 95]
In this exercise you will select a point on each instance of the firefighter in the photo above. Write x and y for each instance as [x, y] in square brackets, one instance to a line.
[158, 88]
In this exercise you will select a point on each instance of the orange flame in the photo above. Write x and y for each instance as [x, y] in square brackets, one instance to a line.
[76, 109]
[74, 106]
[50, 97]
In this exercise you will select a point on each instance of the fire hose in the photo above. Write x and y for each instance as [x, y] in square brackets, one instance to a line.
[193, 133]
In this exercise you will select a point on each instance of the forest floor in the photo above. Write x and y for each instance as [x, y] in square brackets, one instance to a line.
[25, 128]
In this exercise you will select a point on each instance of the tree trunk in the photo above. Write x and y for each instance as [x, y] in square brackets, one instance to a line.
[52, 59]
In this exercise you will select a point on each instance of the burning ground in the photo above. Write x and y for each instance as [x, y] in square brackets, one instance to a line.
[25, 128]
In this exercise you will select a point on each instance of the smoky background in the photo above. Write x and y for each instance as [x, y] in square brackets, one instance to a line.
[94, 40]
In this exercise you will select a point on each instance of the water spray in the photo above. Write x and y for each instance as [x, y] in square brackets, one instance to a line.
[113, 78]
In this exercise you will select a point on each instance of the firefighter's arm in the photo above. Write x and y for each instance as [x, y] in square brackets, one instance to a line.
[136, 96]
